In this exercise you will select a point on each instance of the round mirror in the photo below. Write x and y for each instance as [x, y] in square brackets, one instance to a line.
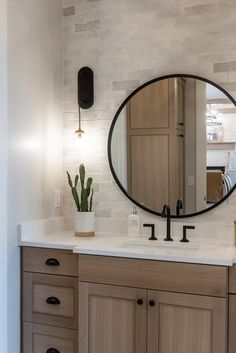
[173, 142]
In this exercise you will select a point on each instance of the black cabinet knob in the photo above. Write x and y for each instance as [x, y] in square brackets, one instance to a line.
[52, 350]
[140, 301]
[53, 301]
[52, 262]
[152, 303]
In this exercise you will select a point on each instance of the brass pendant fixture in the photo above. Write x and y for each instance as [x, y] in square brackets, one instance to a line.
[79, 131]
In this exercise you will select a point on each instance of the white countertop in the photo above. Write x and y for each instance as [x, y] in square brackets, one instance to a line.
[200, 251]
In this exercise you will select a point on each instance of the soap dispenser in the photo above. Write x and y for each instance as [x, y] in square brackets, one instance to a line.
[134, 224]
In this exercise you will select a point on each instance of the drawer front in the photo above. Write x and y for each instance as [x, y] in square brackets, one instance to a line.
[232, 279]
[48, 339]
[51, 261]
[159, 275]
[50, 299]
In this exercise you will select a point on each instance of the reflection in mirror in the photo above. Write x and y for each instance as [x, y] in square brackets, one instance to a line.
[174, 143]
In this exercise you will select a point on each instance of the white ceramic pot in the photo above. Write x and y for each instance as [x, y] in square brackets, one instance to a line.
[84, 224]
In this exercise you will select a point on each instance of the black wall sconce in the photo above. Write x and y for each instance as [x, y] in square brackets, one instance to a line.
[85, 92]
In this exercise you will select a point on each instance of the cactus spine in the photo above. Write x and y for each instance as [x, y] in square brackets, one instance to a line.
[84, 204]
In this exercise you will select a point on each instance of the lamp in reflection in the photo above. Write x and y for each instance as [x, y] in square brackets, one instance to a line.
[212, 117]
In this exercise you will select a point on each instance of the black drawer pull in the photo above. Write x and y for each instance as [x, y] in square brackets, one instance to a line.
[52, 262]
[140, 301]
[52, 350]
[152, 303]
[53, 301]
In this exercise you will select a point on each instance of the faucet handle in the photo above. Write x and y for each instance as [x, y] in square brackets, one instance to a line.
[179, 206]
[184, 239]
[152, 226]
[163, 212]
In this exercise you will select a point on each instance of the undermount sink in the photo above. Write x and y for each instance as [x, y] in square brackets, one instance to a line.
[159, 244]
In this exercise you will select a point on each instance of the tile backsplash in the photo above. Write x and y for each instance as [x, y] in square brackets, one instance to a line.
[127, 43]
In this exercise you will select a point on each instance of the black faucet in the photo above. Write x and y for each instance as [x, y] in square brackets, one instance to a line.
[152, 226]
[179, 206]
[166, 214]
[184, 239]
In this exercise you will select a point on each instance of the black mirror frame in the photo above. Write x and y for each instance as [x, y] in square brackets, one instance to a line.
[111, 132]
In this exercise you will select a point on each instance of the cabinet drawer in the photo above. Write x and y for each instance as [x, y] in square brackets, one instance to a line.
[160, 275]
[50, 299]
[48, 339]
[52, 261]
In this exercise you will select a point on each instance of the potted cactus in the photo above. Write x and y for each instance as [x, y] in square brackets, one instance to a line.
[84, 216]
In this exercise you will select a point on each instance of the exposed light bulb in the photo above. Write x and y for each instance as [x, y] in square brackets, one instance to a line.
[79, 132]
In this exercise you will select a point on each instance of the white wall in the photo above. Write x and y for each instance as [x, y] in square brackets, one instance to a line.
[3, 176]
[34, 127]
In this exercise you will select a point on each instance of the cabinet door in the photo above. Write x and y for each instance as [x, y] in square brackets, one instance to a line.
[181, 323]
[149, 165]
[111, 319]
[148, 109]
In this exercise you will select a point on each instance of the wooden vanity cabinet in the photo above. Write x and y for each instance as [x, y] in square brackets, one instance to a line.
[49, 301]
[139, 318]
[121, 305]
[124, 320]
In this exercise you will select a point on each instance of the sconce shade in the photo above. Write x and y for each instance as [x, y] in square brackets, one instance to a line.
[85, 88]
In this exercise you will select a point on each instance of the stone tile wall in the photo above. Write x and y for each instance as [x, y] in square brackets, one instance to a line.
[127, 43]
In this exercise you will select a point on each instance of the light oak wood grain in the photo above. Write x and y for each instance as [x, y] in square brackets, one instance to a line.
[39, 338]
[180, 323]
[110, 320]
[160, 275]
[34, 260]
[149, 107]
[155, 144]
[38, 287]
[150, 181]
[41, 292]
